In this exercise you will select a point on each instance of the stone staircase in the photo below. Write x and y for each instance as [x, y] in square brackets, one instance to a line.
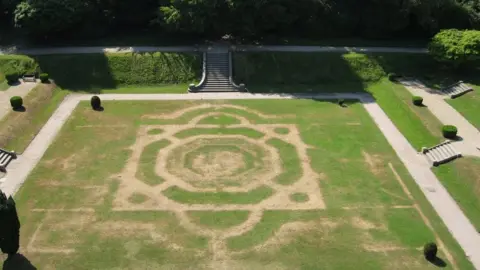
[217, 73]
[5, 158]
[457, 89]
[441, 153]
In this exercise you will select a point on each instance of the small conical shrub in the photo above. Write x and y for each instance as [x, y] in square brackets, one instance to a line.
[95, 102]
[430, 251]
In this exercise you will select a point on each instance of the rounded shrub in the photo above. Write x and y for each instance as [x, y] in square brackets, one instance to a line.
[12, 77]
[95, 102]
[430, 251]
[418, 101]
[16, 102]
[44, 78]
[392, 77]
[449, 131]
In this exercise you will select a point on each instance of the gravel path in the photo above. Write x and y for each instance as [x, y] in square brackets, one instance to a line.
[460, 227]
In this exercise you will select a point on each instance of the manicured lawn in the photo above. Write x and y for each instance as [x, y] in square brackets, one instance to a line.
[421, 128]
[417, 124]
[17, 129]
[158, 89]
[469, 106]
[98, 200]
[462, 180]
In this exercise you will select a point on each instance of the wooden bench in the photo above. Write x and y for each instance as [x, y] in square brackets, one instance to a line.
[29, 78]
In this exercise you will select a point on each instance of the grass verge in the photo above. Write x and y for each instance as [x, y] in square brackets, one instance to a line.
[19, 128]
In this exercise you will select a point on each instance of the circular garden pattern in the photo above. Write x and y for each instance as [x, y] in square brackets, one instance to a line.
[219, 162]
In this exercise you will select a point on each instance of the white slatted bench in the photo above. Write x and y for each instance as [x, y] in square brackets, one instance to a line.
[29, 78]
[5, 158]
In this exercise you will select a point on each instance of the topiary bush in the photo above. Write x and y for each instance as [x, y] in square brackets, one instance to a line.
[16, 102]
[449, 131]
[392, 77]
[418, 101]
[95, 102]
[430, 251]
[12, 77]
[44, 78]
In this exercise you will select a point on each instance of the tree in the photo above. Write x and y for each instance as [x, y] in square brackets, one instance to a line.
[455, 46]
[9, 226]
[43, 17]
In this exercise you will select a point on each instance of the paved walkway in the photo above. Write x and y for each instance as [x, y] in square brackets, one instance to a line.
[460, 227]
[436, 103]
[244, 48]
[19, 90]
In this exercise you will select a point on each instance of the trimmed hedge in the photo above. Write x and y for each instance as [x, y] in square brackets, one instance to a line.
[430, 251]
[97, 71]
[44, 78]
[418, 101]
[16, 102]
[276, 68]
[449, 131]
[89, 71]
[95, 102]
[19, 64]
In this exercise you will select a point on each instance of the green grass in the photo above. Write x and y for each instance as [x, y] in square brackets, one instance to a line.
[19, 128]
[137, 198]
[468, 106]
[180, 88]
[416, 123]
[155, 131]
[299, 197]
[282, 131]
[222, 120]
[252, 197]
[81, 170]
[145, 171]
[462, 180]
[247, 132]
[290, 162]
[218, 219]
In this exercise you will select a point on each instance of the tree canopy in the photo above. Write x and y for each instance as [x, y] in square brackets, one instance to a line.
[244, 19]
[456, 46]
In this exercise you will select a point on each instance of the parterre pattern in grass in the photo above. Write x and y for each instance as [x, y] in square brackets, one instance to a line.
[224, 162]
[216, 170]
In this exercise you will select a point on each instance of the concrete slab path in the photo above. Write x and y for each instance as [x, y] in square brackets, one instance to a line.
[453, 217]
[436, 103]
[18, 90]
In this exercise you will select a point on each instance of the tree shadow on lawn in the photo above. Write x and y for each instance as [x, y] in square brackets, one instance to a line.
[78, 72]
[298, 74]
[431, 73]
[18, 262]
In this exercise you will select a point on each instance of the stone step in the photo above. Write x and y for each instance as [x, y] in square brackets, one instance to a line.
[441, 153]
[457, 90]
[217, 70]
